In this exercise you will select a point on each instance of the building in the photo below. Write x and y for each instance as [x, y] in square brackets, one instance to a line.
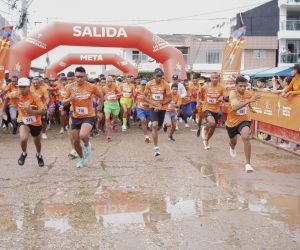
[289, 32]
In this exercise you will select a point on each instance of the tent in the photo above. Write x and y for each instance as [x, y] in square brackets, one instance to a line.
[253, 72]
[276, 71]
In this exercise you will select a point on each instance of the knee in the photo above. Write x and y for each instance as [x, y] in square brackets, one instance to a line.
[155, 126]
[246, 137]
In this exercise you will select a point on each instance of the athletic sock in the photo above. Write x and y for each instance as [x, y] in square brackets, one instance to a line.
[124, 121]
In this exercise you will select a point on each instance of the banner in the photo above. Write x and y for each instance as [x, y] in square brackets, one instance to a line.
[232, 56]
[276, 110]
[5, 35]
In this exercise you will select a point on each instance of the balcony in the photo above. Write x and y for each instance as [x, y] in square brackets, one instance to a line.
[288, 2]
[289, 29]
[290, 58]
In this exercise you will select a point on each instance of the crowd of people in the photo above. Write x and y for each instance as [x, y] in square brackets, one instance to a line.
[88, 107]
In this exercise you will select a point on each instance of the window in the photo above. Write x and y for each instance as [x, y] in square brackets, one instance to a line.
[139, 57]
[213, 57]
[258, 54]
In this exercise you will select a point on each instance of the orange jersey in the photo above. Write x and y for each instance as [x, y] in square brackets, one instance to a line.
[158, 92]
[31, 100]
[127, 90]
[194, 91]
[111, 93]
[140, 100]
[11, 88]
[234, 118]
[293, 87]
[82, 102]
[187, 99]
[211, 94]
[176, 101]
[40, 92]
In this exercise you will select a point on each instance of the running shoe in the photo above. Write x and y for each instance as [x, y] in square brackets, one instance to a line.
[206, 145]
[203, 133]
[248, 168]
[156, 151]
[87, 151]
[62, 131]
[147, 139]
[124, 128]
[22, 159]
[187, 125]
[232, 152]
[80, 163]
[44, 136]
[171, 138]
[40, 160]
[73, 154]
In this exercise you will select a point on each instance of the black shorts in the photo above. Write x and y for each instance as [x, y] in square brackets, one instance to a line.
[67, 108]
[34, 130]
[158, 116]
[232, 132]
[216, 116]
[77, 122]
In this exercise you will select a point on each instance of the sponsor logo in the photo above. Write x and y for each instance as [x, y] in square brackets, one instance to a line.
[62, 64]
[96, 31]
[91, 58]
[159, 43]
[36, 41]
[123, 63]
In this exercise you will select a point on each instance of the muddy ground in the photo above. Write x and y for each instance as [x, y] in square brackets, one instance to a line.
[126, 198]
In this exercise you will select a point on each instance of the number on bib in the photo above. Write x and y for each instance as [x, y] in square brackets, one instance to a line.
[29, 120]
[242, 111]
[82, 110]
[211, 100]
[126, 94]
[111, 97]
[157, 97]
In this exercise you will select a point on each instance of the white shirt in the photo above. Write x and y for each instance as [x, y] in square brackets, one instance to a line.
[181, 89]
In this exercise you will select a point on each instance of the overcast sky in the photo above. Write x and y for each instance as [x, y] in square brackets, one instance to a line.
[159, 16]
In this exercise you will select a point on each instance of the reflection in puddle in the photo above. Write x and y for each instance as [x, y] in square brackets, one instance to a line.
[62, 224]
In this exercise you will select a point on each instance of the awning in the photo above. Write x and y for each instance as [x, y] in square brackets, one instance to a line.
[253, 72]
[276, 71]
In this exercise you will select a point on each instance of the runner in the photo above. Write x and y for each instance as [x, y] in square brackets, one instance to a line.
[158, 95]
[80, 94]
[126, 101]
[200, 106]
[13, 103]
[111, 106]
[142, 108]
[194, 88]
[238, 120]
[186, 107]
[41, 92]
[30, 110]
[63, 111]
[212, 95]
[171, 114]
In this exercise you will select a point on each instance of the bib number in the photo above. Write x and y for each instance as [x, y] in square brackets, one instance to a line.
[111, 97]
[82, 110]
[126, 94]
[157, 97]
[144, 104]
[29, 120]
[211, 100]
[242, 111]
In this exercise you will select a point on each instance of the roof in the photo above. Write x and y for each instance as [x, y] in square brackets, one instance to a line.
[276, 71]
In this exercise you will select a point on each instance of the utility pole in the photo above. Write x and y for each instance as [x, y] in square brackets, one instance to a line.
[24, 11]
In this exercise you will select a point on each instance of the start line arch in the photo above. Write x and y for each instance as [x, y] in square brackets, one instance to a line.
[91, 59]
[75, 34]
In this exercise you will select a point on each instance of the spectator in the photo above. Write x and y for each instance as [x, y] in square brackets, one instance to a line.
[261, 83]
[294, 87]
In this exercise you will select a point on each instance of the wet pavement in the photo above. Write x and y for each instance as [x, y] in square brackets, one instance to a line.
[126, 198]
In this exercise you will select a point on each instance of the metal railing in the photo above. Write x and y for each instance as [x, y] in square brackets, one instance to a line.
[290, 25]
[289, 1]
[290, 58]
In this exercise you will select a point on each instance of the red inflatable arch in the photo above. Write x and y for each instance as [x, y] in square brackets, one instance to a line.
[91, 59]
[77, 34]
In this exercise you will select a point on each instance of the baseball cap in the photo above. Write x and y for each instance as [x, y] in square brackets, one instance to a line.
[158, 72]
[23, 82]
[143, 82]
[247, 78]
[6, 71]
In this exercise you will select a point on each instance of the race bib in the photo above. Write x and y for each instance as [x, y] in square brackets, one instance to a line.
[62, 93]
[242, 111]
[29, 120]
[126, 94]
[82, 110]
[211, 100]
[157, 97]
[111, 97]
[144, 104]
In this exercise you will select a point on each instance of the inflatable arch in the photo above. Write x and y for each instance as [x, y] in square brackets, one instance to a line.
[91, 59]
[76, 34]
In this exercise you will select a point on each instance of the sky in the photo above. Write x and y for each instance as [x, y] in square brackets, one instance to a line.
[159, 16]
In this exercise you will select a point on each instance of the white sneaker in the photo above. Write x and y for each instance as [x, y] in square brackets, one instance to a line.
[124, 128]
[203, 133]
[44, 136]
[232, 152]
[156, 151]
[248, 168]
[206, 145]
[147, 139]
[73, 154]
[80, 163]
[62, 131]
[177, 127]
[187, 125]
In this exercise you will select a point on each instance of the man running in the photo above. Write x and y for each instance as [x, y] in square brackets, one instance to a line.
[63, 111]
[238, 120]
[158, 95]
[111, 94]
[142, 108]
[194, 88]
[213, 95]
[126, 101]
[200, 106]
[30, 110]
[80, 95]
[171, 114]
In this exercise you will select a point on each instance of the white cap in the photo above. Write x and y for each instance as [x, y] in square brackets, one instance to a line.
[248, 78]
[6, 71]
[24, 82]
